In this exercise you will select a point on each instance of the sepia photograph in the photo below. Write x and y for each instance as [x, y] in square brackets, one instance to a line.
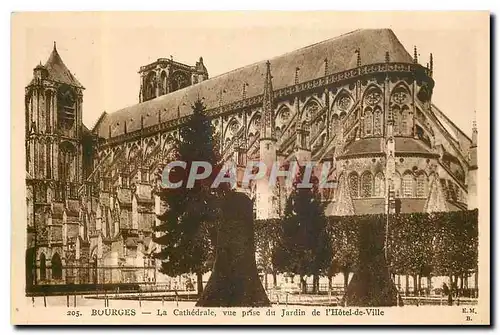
[250, 168]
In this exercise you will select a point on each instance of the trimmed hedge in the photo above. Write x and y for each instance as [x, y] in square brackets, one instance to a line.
[439, 244]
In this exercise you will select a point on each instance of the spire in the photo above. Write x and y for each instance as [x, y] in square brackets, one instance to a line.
[474, 131]
[58, 71]
[431, 62]
[267, 124]
[415, 55]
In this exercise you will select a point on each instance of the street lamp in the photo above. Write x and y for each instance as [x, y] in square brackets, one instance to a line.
[391, 201]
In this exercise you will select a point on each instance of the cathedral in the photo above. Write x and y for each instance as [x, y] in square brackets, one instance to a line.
[360, 102]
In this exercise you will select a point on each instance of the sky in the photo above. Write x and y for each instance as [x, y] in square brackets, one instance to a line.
[105, 51]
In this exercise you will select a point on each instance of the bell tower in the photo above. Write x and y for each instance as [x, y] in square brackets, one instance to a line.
[166, 75]
[53, 104]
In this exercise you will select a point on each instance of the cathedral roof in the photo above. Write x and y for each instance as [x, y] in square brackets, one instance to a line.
[375, 145]
[58, 71]
[372, 44]
[407, 144]
[364, 146]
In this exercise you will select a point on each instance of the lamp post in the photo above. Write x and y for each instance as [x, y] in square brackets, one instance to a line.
[390, 204]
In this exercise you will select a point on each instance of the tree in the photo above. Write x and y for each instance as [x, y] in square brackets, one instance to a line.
[304, 247]
[235, 281]
[411, 246]
[344, 236]
[455, 244]
[190, 220]
[371, 284]
[266, 237]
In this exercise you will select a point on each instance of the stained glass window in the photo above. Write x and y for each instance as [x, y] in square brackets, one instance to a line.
[353, 185]
[377, 122]
[368, 119]
[379, 190]
[366, 185]
[422, 186]
[407, 185]
[406, 122]
[397, 119]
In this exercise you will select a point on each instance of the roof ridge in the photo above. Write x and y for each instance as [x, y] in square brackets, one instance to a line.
[338, 50]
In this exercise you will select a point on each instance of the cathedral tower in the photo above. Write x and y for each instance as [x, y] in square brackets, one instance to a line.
[53, 140]
[166, 75]
[54, 123]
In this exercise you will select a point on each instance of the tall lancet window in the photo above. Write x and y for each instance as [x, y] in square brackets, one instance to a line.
[56, 266]
[377, 121]
[422, 185]
[368, 121]
[396, 115]
[48, 154]
[407, 185]
[66, 105]
[373, 102]
[379, 189]
[354, 185]
[43, 267]
[366, 185]
[67, 154]
[400, 98]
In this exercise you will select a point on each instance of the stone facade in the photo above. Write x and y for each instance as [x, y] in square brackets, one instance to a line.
[365, 109]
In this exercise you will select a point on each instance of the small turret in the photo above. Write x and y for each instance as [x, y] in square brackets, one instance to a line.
[40, 72]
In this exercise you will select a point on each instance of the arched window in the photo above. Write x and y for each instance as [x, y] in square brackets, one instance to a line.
[56, 267]
[48, 155]
[407, 185]
[163, 83]
[422, 185]
[43, 267]
[48, 110]
[354, 185]
[396, 115]
[66, 157]
[379, 189]
[377, 121]
[66, 103]
[179, 80]
[150, 86]
[368, 122]
[396, 184]
[311, 110]
[335, 124]
[366, 185]
[406, 122]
